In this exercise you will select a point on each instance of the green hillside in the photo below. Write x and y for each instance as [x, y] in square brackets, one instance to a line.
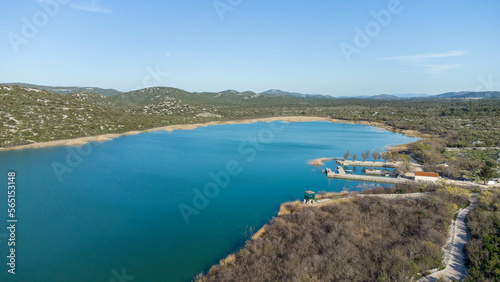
[98, 99]
[32, 115]
[225, 99]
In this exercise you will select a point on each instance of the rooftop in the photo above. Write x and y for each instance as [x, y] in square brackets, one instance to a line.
[428, 174]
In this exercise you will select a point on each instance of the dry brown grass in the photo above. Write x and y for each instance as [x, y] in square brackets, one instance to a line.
[259, 232]
[350, 239]
[289, 207]
[332, 195]
[229, 259]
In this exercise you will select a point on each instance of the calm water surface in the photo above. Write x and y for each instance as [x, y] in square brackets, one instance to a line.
[164, 206]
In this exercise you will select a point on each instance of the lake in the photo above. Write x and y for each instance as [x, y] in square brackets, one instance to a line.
[164, 206]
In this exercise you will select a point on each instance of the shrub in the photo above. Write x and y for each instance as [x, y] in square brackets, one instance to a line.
[483, 249]
[359, 239]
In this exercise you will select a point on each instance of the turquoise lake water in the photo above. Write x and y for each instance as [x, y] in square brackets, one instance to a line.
[164, 206]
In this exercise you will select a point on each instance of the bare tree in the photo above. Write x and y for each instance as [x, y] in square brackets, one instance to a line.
[346, 155]
[375, 156]
[364, 156]
[386, 156]
[354, 156]
[338, 231]
[405, 167]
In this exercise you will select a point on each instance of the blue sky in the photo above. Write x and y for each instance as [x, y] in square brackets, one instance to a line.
[340, 48]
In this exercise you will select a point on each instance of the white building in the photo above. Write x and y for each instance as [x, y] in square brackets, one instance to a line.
[426, 176]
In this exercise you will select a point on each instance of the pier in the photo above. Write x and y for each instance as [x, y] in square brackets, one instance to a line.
[368, 163]
[368, 178]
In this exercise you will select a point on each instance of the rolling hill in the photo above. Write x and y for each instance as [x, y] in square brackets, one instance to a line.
[468, 95]
[30, 115]
[64, 90]
[384, 97]
[281, 93]
[233, 97]
[227, 98]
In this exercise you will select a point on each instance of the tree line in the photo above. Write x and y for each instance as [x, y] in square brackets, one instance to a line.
[366, 154]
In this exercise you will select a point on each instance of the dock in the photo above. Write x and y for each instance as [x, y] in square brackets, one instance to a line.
[368, 163]
[368, 178]
[381, 172]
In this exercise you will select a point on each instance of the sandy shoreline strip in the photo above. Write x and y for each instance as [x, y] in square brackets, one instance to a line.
[106, 137]
[319, 162]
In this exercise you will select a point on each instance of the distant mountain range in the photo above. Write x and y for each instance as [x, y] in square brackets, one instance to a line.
[273, 93]
[411, 95]
[277, 92]
[469, 95]
[64, 90]
[448, 95]
[388, 96]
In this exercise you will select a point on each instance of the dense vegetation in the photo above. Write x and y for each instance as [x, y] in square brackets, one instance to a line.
[353, 239]
[30, 115]
[458, 122]
[483, 248]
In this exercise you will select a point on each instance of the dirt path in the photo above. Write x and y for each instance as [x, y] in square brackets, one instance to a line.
[397, 196]
[386, 196]
[416, 166]
[454, 257]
